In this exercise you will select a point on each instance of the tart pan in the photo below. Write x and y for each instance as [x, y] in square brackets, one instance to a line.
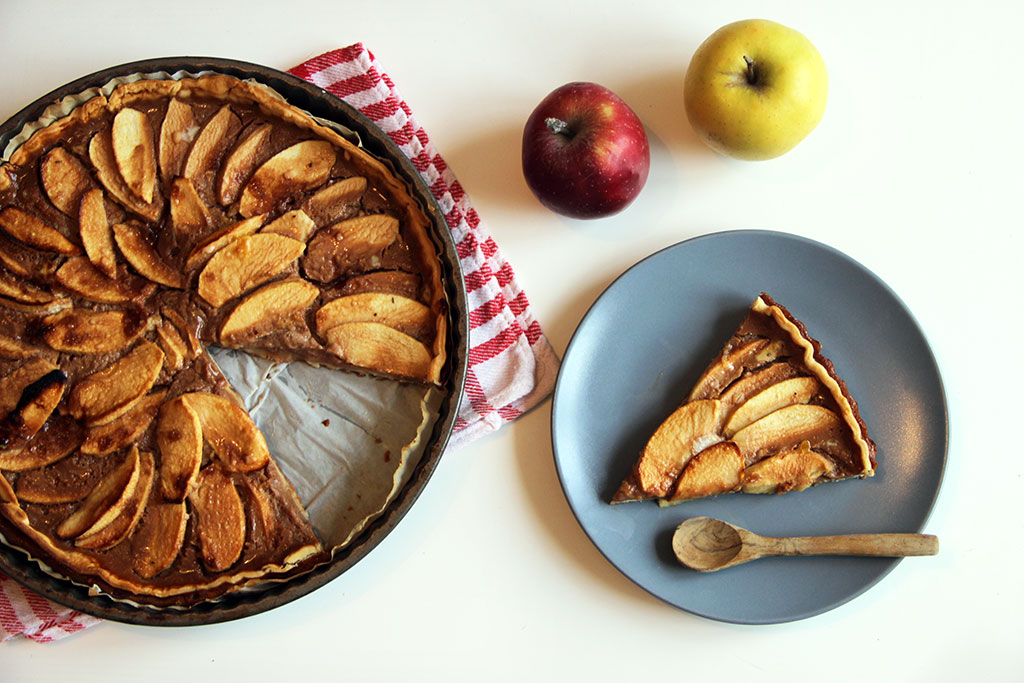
[247, 602]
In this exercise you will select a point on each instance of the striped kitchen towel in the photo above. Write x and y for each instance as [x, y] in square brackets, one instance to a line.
[511, 365]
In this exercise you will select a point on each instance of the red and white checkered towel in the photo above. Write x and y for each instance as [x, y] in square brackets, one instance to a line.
[511, 365]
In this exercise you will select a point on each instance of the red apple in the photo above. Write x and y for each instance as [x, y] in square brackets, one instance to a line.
[585, 152]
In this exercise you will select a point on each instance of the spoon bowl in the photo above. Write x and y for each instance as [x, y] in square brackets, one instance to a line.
[707, 544]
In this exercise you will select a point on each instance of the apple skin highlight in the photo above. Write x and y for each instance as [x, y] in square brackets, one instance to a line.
[585, 152]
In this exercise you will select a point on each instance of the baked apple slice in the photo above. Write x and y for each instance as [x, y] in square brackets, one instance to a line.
[25, 261]
[332, 202]
[64, 179]
[220, 518]
[31, 230]
[105, 502]
[179, 437]
[202, 252]
[687, 431]
[212, 139]
[792, 391]
[157, 540]
[246, 263]
[789, 470]
[278, 306]
[189, 216]
[128, 428]
[135, 152]
[231, 433]
[56, 439]
[88, 331]
[298, 168]
[101, 154]
[176, 134]
[393, 310]
[381, 348]
[23, 292]
[240, 164]
[37, 403]
[135, 246]
[295, 224]
[108, 394]
[94, 229]
[83, 278]
[715, 469]
[119, 528]
[341, 247]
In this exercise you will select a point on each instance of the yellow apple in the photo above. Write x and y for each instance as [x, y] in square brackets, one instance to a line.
[754, 89]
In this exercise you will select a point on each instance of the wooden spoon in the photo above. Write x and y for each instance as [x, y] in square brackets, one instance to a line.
[708, 544]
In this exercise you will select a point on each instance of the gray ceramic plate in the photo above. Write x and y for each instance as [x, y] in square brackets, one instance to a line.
[641, 347]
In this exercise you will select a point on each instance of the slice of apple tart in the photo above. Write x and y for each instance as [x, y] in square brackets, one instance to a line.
[768, 415]
[137, 230]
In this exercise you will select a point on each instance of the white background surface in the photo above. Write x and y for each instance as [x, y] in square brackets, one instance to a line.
[914, 172]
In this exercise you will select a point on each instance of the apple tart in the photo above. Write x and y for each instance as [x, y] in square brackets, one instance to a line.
[768, 415]
[136, 231]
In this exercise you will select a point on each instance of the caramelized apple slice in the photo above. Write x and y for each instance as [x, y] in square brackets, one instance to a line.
[787, 427]
[124, 523]
[245, 263]
[179, 436]
[278, 306]
[95, 232]
[16, 349]
[687, 431]
[105, 502]
[338, 248]
[301, 167]
[158, 538]
[716, 469]
[378, 347]
[220, 129]
[731, 365]
[55, 440]
[108, 394]
[23, 292]
[789, 392]
[134, 152]
[202, 252]
[189, 215]
[101, 154]
[745, 388]
[84, 330]
[230, 431]
[221, 518]
[789, 470]
[405, 315]
[24, 261]
[173, 346]
[37, 403]
[295, 224]
[332, 202]
[29, 229]
[65, 179]
[239, 166]
[186, 331]
[136, 248]
[176, 134]
[14, 383]
[128, 428]
[83, 278]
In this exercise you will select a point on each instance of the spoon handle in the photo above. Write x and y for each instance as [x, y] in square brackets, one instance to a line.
[881, 545]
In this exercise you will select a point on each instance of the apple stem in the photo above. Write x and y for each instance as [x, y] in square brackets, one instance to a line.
[751, 72]
[557, 126]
